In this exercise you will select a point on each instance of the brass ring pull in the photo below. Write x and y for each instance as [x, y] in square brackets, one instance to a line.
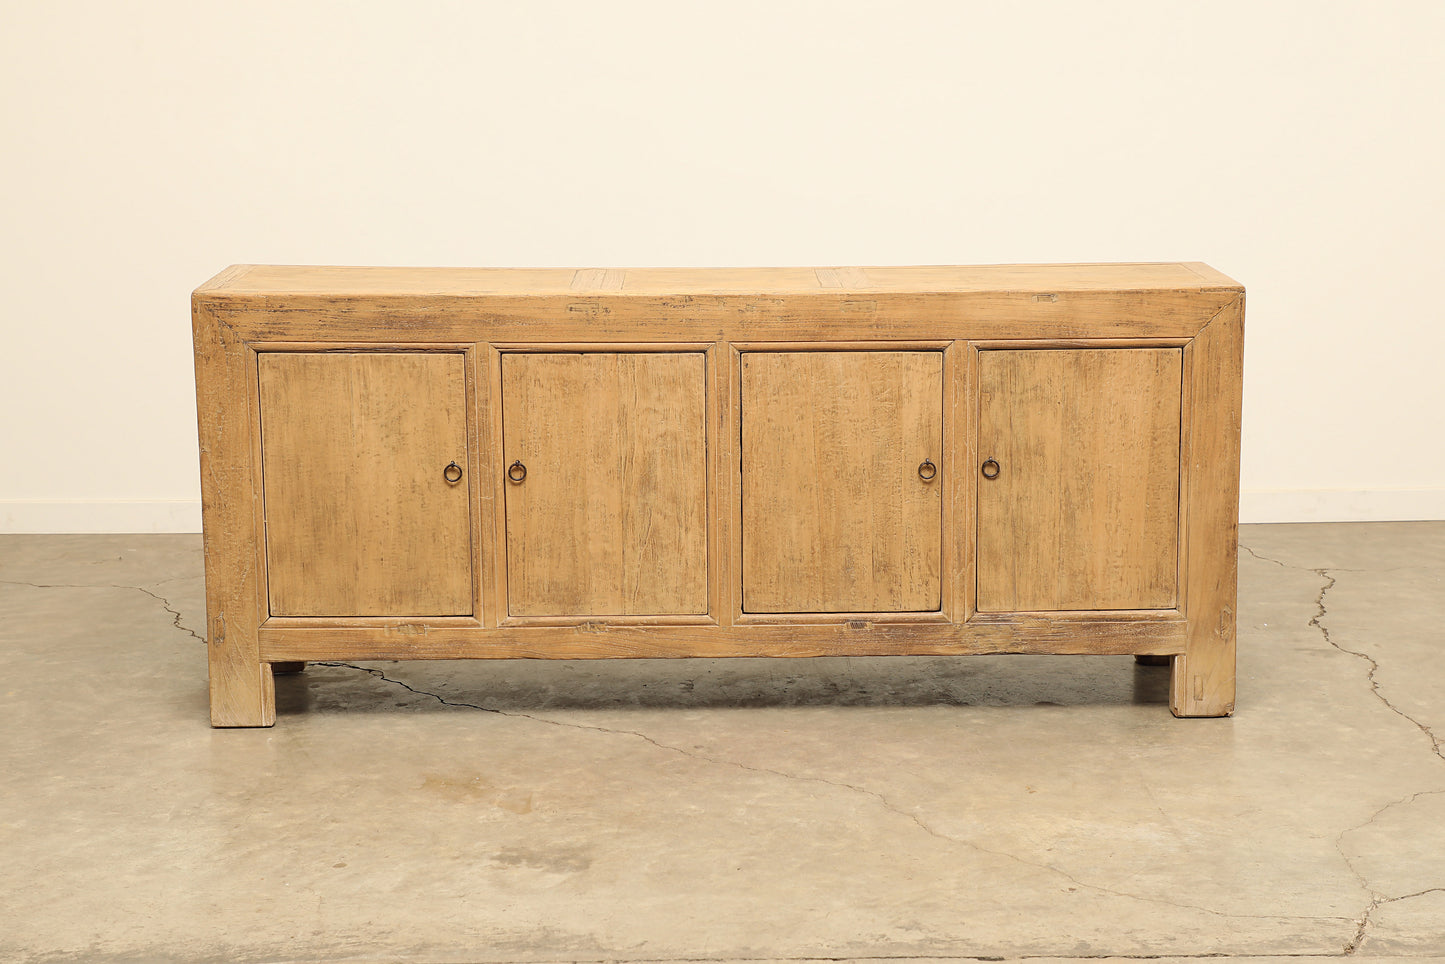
[517, 471]
[452, 473]
[990, 469]
[927, 470]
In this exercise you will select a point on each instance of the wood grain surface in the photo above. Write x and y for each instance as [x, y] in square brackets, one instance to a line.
[1084, 511]
[1203, 682]
[611, 517]
[365, 282]
[242, 689]
[359, 517]
[600, 639]
[835, 515]
[720, 462]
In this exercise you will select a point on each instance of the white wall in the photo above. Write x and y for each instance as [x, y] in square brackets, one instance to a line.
[1298, 146]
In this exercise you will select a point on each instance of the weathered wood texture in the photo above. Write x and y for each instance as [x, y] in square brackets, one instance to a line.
[851, 278]
[262, 302]
[1203, 681]
[829, 314]
[1084, 511]
[598, 279]
[361, 518]
[242, 691]
[721, 462]
[301, 281]
[1020, 633]
[610, 516]
[836, 517]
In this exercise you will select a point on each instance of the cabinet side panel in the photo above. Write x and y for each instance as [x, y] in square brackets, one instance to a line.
[835, 516]
[1084, 511]
[611, 516]
[360, 518]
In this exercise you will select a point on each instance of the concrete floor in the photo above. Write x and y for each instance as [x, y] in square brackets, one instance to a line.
[926, 808]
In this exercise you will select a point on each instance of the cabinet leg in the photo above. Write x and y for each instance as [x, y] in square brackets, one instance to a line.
[287, 668]
[242, 690]
[1202, 683]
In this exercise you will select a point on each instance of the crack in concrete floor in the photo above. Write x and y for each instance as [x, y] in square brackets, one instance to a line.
[1329, 581]
[165, 603]
[883, 799]
[1362, 922]
[1377, 900]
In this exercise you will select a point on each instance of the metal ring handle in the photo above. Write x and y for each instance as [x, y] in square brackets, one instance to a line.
[927, 471]
[517, 471]
[985, 469]
[452, 473]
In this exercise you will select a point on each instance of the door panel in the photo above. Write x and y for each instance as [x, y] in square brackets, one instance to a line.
[611, 517]
[835, 515]
[360, 520]
[1084, 512]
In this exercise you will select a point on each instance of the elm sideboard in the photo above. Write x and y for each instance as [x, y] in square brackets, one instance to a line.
[440, 463]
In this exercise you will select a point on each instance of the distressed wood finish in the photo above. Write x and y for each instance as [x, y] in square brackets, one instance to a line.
[1084, 511]
[296, 284]
[1020, 633]
[721, 462]
[736, 316]
[360, 518]
[610, 516]
[242, 691]
[835, 515]
[1203, 676]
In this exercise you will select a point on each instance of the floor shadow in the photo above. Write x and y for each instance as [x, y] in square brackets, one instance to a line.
[682, 684]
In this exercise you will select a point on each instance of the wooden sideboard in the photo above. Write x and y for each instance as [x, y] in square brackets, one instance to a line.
[441, 463]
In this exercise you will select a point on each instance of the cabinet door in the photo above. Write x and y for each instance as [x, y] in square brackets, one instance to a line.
[1084, 510]
[606, 497]
[839, 511]
[361, 518]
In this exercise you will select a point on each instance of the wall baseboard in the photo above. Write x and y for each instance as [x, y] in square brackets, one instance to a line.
[114, 515]
[1341, 505]
[1255, 505]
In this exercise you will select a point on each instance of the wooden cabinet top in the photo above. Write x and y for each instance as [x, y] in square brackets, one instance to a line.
[245, 282]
